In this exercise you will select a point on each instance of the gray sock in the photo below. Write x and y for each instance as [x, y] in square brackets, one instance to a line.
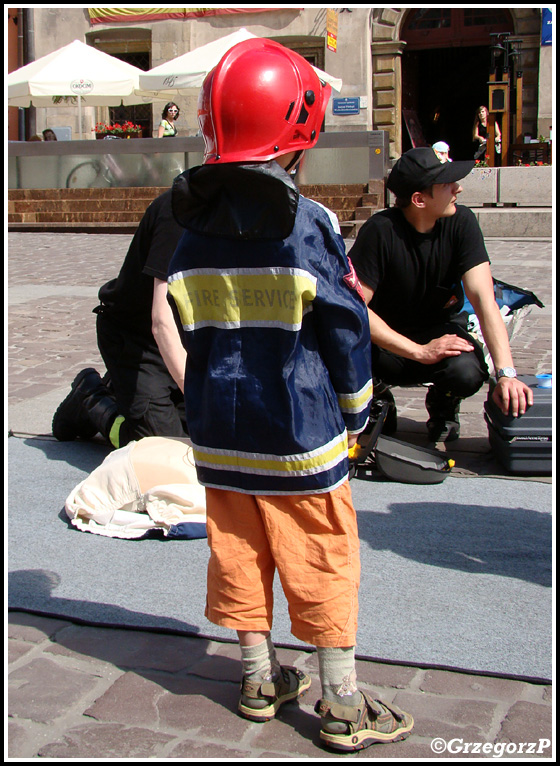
[337, 671]
[260, 661]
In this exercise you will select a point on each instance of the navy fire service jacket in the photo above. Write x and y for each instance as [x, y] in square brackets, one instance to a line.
[277, 336]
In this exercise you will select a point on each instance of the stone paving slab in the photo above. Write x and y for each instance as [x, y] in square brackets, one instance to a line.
[81, 691]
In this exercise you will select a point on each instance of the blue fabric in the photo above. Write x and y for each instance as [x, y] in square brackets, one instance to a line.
[508, 295]
[187, 530]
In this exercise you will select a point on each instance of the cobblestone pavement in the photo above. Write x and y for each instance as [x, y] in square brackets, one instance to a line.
[79, 691]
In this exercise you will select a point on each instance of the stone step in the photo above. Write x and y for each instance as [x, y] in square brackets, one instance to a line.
[94, 193]
[67, 217]
[106, 227]
[348, 202]
[133, 205]
[350, 229]
[120, 209]
[35, 215]
[332, 190]
[517, 222]
[499, 223]
[150, 192]
[125, 206]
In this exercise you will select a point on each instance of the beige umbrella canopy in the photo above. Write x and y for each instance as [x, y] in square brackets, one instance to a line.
[78, 73]
[184, 75]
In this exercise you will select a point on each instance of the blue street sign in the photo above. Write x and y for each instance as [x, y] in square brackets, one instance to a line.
[346, 105]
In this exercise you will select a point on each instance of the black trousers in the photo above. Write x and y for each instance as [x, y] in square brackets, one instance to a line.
[460, 376]
[146, 395]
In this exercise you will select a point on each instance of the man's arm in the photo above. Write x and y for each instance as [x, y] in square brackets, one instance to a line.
[511, 395]
[385, 337]
[166, 334]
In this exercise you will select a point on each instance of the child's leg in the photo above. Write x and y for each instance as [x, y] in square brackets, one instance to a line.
[241, 567]
[337, 671]
[351, 719]
[258, 656]
[240, 576]
[316, 548]
[315, 542]
[266, 684]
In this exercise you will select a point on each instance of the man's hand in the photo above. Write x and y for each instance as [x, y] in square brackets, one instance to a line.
[512, 396]
[352, 440]
[440, 348]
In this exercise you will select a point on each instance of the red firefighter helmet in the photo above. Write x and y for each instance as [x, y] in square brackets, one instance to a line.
[262, 100]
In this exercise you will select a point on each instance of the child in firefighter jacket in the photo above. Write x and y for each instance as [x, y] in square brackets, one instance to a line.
[277, 384]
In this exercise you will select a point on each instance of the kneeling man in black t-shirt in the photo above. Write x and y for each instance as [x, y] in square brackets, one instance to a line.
[415, 262]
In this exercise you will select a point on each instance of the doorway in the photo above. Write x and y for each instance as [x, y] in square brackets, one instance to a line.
[443, 87]
[445, 73]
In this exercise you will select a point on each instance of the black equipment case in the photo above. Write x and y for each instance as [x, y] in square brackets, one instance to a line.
[523, 445]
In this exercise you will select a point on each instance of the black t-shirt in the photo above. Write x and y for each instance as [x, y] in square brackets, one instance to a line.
[129, 297]
[416, 278]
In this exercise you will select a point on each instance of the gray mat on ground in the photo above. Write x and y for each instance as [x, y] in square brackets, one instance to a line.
[454, 575]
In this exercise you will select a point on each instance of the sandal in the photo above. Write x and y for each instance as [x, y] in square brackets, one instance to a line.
[346, 727]
[260, 700]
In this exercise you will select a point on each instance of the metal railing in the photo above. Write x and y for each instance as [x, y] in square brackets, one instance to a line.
[338, 158]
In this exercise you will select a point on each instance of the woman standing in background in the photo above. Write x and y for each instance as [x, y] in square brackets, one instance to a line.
[480, 133]
[169, 115]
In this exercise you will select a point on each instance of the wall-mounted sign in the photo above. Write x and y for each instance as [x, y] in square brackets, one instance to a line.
[546, 35]
[332, 30]
[346, 105]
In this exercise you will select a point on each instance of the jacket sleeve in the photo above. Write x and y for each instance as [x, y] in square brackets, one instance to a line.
[342, 328]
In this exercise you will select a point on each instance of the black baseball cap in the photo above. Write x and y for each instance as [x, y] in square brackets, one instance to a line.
[419, 168]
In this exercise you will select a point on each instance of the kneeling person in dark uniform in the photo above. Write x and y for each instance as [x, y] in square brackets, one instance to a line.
[142, 392]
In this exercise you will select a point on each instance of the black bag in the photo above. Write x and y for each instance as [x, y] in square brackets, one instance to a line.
[480, 152]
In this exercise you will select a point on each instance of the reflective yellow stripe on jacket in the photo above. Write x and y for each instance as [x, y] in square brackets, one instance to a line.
[355, 403]
[276, 297]
[303, 464]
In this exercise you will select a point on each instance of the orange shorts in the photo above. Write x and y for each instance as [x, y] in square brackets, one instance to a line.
[312, 540]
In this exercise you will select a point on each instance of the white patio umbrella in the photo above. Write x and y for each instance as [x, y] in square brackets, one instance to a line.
[80, 71]
[185, 74]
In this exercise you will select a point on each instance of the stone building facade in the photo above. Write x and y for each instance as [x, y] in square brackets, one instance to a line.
[392, 62]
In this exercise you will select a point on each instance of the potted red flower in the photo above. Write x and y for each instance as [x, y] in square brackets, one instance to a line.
[118, 130]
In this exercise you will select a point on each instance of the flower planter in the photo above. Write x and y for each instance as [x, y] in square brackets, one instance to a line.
[121, 135]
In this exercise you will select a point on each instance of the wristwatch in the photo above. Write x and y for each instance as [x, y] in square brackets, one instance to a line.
[506, 372]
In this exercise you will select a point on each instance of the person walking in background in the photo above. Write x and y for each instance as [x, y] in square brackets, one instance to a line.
[169, 116]
[277, 386]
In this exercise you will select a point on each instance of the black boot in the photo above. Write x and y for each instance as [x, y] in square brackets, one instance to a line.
[443, 424]
[87, 410]
[382, 393]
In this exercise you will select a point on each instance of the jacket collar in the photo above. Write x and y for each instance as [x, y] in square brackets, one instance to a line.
[236, 200]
